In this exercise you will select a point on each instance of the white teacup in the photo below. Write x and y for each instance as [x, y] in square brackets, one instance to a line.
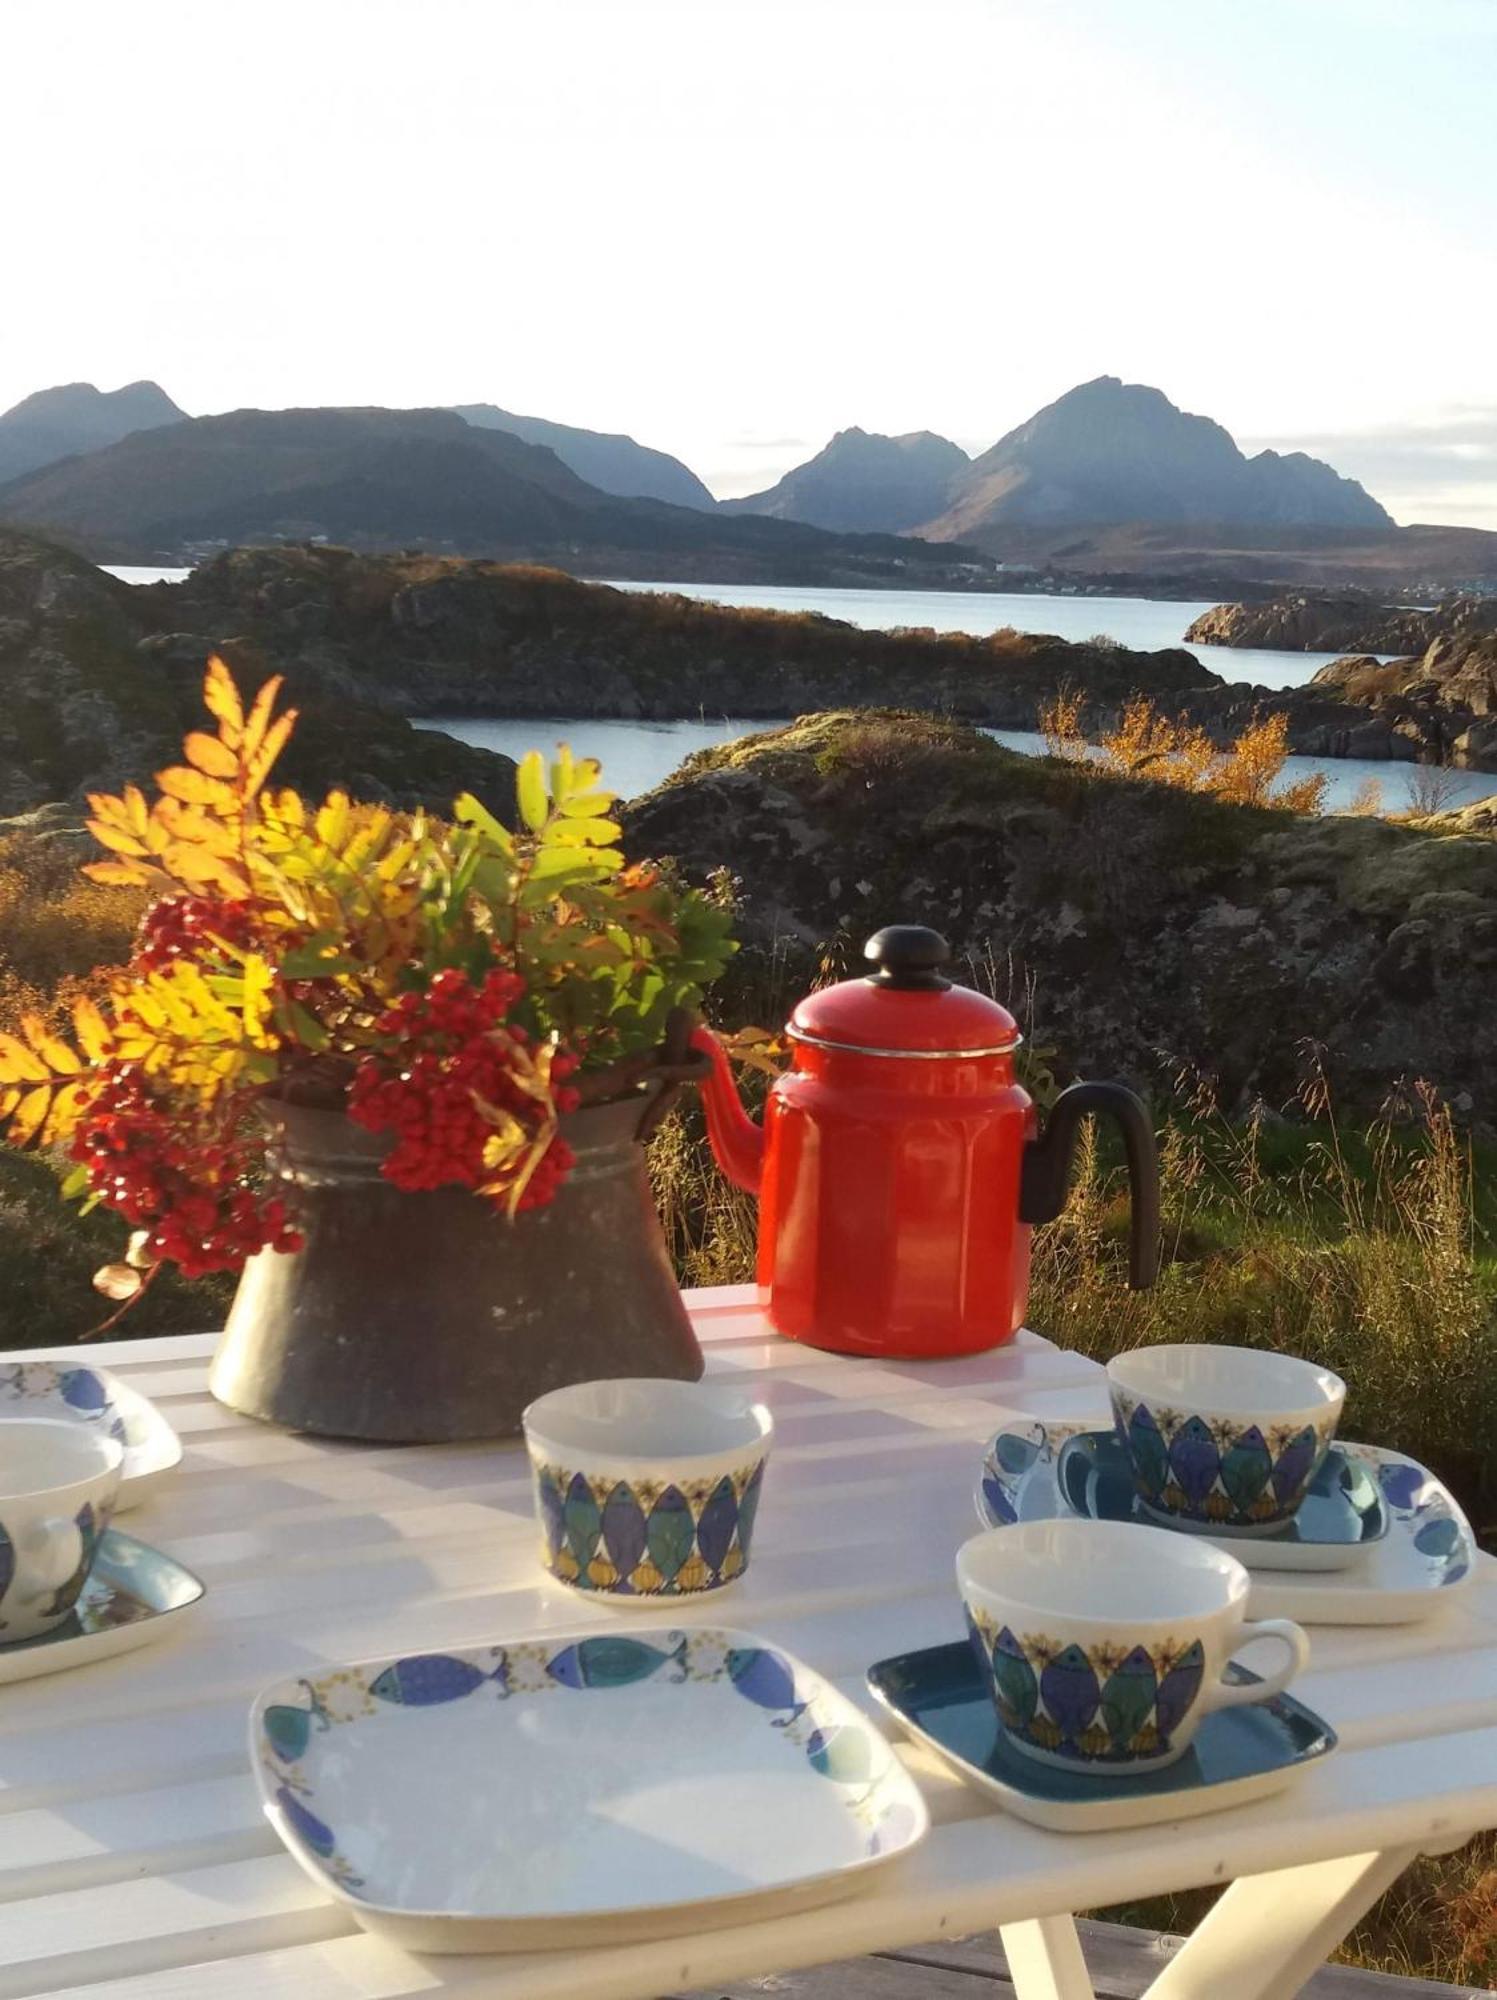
[1223, 1437]
[58, 1483]
[647, 1490]
[1104, 1643]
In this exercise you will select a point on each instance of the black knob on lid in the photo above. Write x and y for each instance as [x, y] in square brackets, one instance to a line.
[908, 956]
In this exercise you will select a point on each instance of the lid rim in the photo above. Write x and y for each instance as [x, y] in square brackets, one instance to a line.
[905, 1055]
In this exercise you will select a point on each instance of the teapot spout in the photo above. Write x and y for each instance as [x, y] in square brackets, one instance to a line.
[737, 1142]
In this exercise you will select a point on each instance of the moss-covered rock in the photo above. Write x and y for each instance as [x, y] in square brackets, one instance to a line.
[1141, 928]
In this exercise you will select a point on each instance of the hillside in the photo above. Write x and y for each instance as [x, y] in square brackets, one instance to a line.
[432, 636]
[94, 692]
[1149, 927]
[425, 479]
[605, 459]
[77, 417]
[1111, 451]
[865, 481]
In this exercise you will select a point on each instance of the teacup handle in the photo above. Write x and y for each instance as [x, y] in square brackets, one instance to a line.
[55, 1549]
[1241, 1694]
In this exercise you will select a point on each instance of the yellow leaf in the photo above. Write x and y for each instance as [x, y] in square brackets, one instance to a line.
[30, 1115]
[67, 1108]
[221, 699]
[196, 788]
[120, 874]
[91, 1029]
[258, 766]
[530, 790]
[53, 1051]
[210, 754]
[117, 838]
[18, 1064]
[562, 780]
[255, 1006]
[259, 718]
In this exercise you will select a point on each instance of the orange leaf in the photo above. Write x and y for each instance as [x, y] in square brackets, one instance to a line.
[18, 1064]
[29, 1115]
[91, 1028]
[53, 1051]
[210, 754]
[221, 699]
[195, 788]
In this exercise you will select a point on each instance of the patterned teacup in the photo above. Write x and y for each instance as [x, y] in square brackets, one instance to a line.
[1104, 1643]
[58, 1482]
[647, 1490]
[1224, 1438]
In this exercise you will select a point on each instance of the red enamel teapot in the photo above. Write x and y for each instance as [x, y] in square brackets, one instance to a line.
[900, 1168]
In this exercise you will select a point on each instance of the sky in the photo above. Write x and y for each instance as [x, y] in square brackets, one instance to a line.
[732, 227]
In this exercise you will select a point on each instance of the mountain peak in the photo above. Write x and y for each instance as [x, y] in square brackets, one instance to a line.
[865, 480]
[78, 416]
[608, 460]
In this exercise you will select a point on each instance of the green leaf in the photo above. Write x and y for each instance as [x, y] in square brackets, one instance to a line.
[583, 832]
[530, 791]
[76, 1184]
[467, 811]
[587, 807]
[304, 1027]
[561, 774]
[308, 962]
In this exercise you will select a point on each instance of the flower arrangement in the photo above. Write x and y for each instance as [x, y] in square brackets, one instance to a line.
[454, 986]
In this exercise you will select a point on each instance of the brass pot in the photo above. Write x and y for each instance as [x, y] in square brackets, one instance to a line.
[423, 1318]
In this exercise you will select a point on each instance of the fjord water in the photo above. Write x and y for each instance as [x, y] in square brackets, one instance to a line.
[637, 755]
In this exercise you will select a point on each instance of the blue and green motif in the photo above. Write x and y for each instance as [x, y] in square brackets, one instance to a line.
[1098, 1706]
[1219, 1474]
[839, 1746]
[645, 1539]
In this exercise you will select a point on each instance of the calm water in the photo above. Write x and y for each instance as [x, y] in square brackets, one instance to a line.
[636, 755]
[1143, 623]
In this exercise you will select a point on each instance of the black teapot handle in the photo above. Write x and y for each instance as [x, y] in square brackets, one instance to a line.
[1047, 1168]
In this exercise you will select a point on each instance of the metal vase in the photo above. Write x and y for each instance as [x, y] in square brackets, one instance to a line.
[423, 1318]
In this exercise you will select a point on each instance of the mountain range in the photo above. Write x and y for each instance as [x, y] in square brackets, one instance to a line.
[1110, 480]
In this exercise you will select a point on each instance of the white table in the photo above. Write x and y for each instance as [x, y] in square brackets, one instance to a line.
[135, 1864]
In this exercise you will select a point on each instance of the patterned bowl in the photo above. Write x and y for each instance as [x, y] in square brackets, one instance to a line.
[647, 1490]
[1223, 1437]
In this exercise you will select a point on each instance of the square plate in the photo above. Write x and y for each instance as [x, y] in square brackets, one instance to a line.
[133, 1596]
[1428, 1551]
[582, 1789]
[94, 1396]
[1239, 1754]
[1342, 1516]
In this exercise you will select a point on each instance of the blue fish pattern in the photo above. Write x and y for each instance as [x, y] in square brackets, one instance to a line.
[611, 1663]
[305, 1823]
[642, 1541]
[1207, 1473]
[1014, 1681]
[82, 1390]
[717, 1526]
[624, 1533]
[1069, 1690]
[1178, 1689]
[764, 1677]
[426, 1679]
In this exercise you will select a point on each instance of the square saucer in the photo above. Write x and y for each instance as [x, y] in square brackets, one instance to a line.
[1343, 1513]
[939, 1697]
[590, 1788]
[88, 1395]
[133, 1596]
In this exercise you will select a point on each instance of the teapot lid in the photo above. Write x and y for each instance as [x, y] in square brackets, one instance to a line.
[905, 1006]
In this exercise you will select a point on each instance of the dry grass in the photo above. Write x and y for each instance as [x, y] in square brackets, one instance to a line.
[1170, 751]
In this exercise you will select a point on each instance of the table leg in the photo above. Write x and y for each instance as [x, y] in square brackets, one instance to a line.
[1269, 1933]
[1045, 1961]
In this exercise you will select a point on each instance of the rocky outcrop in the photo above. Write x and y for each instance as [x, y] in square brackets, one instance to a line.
[1152, 927]
[440, 637]
[1352, 622]
[93, 693]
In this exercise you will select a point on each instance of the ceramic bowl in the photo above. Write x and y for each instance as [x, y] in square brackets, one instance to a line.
[1223, 1437]
[58, 1483]
[1105, 1643]
[647, 1490]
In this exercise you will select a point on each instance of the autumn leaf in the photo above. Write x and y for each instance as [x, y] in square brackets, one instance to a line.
[221, 699]
[530, 791]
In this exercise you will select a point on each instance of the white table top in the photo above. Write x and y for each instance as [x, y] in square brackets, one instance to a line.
[134, 1860]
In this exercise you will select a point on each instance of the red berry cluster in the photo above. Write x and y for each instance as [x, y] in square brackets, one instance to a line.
[452, 1051]
[185, 927]
[193, 1190]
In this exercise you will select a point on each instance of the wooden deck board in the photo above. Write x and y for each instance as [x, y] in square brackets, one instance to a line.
[1122, 1961]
